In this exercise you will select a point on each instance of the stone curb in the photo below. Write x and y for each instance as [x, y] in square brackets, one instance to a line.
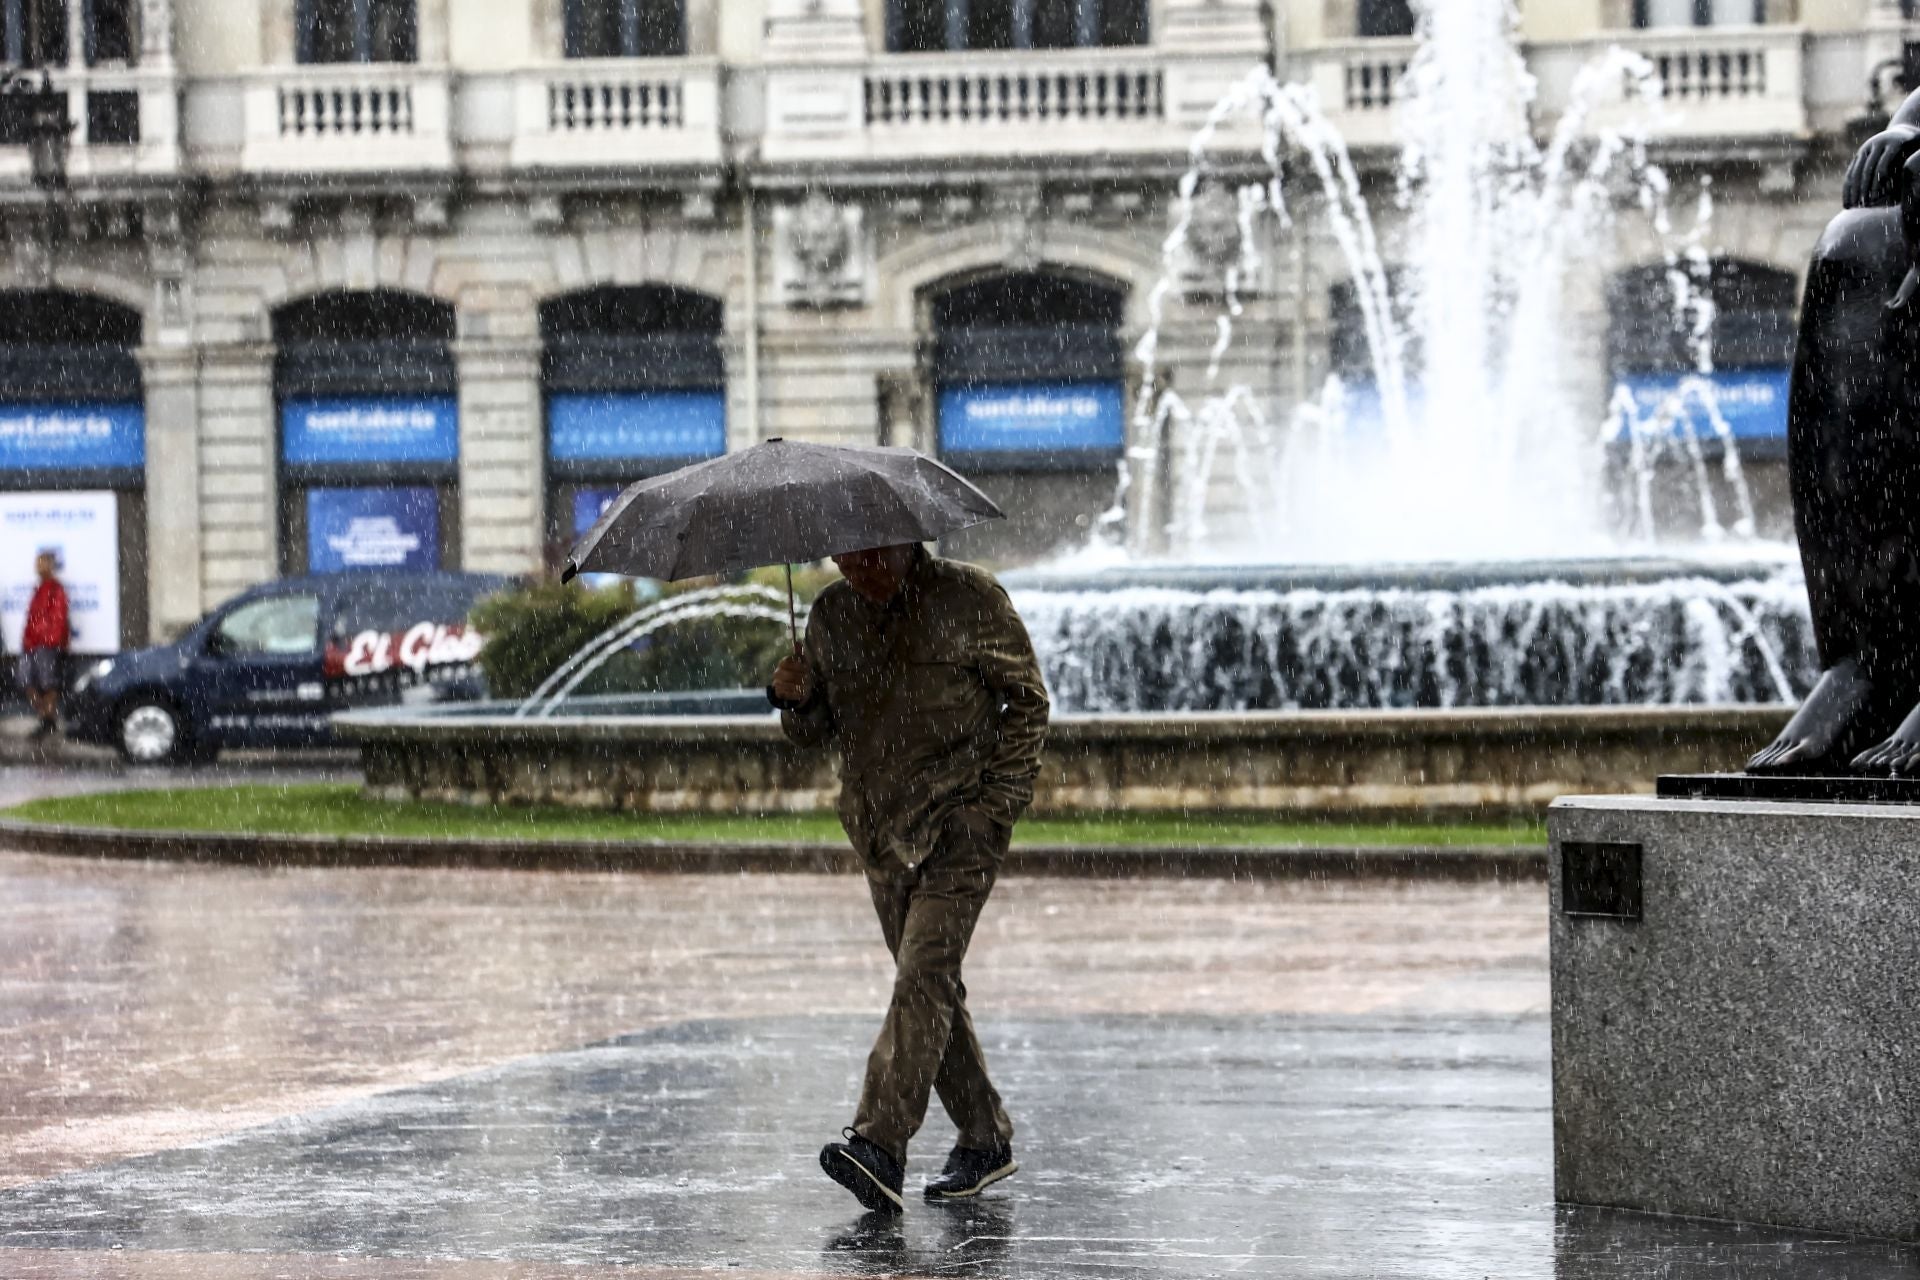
[1426, 862]
[17, 749]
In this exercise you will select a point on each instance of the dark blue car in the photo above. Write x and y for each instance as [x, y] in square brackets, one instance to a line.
[269, 667]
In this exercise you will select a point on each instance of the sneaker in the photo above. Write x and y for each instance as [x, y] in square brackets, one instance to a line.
[874, 1177]
[970, 1171]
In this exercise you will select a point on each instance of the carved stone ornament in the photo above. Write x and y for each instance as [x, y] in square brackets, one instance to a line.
[819, 253]
[1213, 233]
[1215, 241]
[1020, 215]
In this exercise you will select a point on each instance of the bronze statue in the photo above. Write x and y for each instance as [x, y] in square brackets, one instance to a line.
[1853, 443]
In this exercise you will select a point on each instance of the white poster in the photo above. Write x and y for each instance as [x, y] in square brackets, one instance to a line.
[83, 532]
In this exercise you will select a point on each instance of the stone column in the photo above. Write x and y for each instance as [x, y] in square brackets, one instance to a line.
[502, 455]
[238, 471]
[76, 35]
[170, 376]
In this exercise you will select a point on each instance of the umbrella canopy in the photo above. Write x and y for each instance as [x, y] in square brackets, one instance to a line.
[780, 502]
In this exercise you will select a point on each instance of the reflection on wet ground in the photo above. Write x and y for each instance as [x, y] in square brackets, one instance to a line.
[219, 1073]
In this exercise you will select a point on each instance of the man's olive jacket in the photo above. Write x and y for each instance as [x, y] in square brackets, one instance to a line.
[935, 700]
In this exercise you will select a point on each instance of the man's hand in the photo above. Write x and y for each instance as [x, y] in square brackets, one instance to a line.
[792, 680]
[1871, 178]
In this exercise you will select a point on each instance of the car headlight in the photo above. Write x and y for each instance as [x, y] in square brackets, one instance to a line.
[98, 671]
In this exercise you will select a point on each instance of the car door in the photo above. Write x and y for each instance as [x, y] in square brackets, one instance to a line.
[259, 673]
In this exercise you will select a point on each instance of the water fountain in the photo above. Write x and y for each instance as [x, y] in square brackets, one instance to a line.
[1522, 528]
[1333, 622]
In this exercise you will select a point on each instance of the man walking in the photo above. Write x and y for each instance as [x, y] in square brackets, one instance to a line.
[43, 645]
[923, 674]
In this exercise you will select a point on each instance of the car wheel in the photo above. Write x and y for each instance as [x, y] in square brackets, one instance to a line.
[150, 731]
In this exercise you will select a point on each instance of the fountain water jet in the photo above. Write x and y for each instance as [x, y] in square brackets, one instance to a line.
[1466, 443]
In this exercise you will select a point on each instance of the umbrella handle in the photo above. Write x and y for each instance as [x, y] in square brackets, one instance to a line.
[793, 627]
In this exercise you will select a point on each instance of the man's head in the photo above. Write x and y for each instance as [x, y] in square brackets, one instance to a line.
[45, 565]
[878, 572]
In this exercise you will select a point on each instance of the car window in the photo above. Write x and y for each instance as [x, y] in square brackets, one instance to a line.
[395, 606]
[380, 607]
[278, 625]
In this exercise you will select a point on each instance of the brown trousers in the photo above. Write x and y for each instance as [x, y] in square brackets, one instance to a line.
[927, 1041]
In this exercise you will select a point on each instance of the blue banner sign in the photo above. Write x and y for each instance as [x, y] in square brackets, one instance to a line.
[636, 424]
[1033, 417]
[370, 429]
[1752, 402]
[72, 437]
[589, 505]
[384, 528]
[1363, 408]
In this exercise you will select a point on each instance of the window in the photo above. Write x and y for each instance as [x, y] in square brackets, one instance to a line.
[1753, 317]
[625, 29]
[399, 606]
[35, 32]
[280, 626]
[1386, 17]
[1698, 13]
[357, 31]
[108, 31]
[925, 26]
[1662, 393]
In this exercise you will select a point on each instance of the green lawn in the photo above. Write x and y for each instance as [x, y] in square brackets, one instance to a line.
[340, 809]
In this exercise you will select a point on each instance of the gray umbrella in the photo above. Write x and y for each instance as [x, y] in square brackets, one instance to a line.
[780, 502]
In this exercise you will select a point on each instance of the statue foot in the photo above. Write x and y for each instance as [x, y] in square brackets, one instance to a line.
[1899, 754]
[1824, 732]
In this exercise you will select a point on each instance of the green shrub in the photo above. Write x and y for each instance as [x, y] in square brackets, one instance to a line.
[532, 628]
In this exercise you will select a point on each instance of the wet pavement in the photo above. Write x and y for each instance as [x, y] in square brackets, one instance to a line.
[224, 1073]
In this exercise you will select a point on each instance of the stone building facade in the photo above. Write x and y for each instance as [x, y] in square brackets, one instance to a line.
[451, 272]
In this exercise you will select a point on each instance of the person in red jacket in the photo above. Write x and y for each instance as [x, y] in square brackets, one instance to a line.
[43, 646]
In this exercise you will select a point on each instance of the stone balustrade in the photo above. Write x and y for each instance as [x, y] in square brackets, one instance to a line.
[1001, 103]
[354, 117]
[1707, 83]
[1712, 87]
[618, 111]
[1356, 83]
[1013, 93]
[1712, 83]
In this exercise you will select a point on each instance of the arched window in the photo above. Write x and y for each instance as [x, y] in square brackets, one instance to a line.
[634, 384]
[356, 31]
[924, 26]
[1753, 317]
[1028, 371]
[626, 29]
[1657, 347]
[1349, 353]
[1386, 18]
[369, 432]
[73, 460]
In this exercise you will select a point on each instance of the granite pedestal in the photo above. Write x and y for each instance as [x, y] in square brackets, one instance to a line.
[1736, 1010]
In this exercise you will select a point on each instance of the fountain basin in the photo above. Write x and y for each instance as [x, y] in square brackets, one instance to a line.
[1554, 633]
[1487, 760]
